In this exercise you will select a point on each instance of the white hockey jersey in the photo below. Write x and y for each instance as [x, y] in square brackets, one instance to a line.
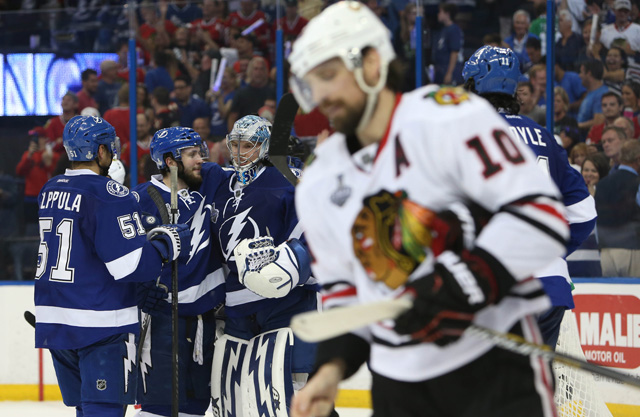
[442, 146]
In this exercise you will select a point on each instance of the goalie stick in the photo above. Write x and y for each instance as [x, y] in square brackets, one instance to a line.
[174, 300]
[318, 326]
[279, 143]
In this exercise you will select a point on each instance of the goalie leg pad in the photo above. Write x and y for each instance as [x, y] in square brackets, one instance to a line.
[226, 374]
[267, 387]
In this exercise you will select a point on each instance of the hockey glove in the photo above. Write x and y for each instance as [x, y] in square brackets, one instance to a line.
[446, 300]
[169, 240]
[270, 271]
[151, 297]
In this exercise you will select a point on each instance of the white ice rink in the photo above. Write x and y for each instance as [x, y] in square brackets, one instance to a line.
[57, 409]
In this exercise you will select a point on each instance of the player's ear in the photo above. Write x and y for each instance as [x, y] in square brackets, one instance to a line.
[170, 161]
[371, 66]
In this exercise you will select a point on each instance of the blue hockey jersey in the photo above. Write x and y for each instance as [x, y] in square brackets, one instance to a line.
[92, 248]
[200, 275]
[580, 206]
[264, 207]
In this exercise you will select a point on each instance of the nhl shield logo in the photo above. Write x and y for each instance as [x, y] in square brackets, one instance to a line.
[340, 196]
[101, 384]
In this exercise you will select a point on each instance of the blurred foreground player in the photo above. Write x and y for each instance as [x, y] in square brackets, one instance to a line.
[93, 250]
[268, 281]
[200, 281]
[493, 73]
[384, 207]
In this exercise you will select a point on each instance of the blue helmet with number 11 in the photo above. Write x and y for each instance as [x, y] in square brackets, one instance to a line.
[494, 70]
[83, 135]
[173, 140]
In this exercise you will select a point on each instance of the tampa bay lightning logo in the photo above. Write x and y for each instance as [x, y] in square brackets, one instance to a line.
[117, 189]
[234, 229]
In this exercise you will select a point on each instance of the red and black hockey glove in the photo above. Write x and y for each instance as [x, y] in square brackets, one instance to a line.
[446, 300]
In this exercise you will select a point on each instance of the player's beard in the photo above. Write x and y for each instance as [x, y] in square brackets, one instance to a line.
[192, 180]
[347, 123]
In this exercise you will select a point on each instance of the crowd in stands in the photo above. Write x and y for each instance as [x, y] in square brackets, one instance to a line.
[180, 79]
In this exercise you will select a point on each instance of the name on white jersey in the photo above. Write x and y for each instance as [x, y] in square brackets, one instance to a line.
[525, 135]
[62, 199]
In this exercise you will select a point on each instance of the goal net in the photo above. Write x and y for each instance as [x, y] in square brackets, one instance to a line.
[576, 393]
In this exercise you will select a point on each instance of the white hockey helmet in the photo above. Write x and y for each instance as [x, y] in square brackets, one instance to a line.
[343, 30]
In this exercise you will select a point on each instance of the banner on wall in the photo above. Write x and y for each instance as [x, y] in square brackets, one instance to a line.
[33, 84]
[608, 317]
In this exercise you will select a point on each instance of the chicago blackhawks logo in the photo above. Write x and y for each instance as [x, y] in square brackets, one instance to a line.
[390, 236]
[449, 95]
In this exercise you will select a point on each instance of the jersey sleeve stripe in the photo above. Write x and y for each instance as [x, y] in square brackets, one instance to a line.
[124, 265]
[243, 296]
[194, 293]
[582, 211]
[296, 233]
[87, 318]
[341, 297]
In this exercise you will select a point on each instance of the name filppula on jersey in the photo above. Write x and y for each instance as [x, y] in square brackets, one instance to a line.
[63, 199]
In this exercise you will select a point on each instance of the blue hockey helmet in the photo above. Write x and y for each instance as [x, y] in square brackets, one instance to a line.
[494, 70]
[253, 129]
[83, 135]
[174, 140]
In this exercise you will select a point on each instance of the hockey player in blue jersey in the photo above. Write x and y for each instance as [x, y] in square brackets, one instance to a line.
[200, 281]
[493, 73]
[268, 281]
[93, 250]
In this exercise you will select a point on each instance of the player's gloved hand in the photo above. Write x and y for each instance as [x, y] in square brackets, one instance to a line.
[446, 300]
[149, 221]
[169, 240]
[270, 271]
[151, 297]
[456, 228]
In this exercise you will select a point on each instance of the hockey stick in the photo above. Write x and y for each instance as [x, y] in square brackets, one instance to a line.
[279, 143]
[318, 326]
[174, 300]
[30, 318]
[155, 196]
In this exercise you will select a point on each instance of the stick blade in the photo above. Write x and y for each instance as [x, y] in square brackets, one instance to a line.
[279, 143]
[319, 326]
[30, 318]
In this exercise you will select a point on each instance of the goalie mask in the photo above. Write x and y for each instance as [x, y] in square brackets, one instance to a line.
[248, 144]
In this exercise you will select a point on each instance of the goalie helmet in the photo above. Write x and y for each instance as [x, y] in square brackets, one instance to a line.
[494, 70]
[173, 140]
[342, 30]
[256, 130]
[83, 135]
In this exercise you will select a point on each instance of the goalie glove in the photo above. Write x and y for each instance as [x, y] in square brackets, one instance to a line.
[446, 300]
[269, 271]
[169, 240]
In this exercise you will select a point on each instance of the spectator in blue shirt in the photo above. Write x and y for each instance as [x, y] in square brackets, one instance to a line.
[189, 106]
[518, 40]
[569, 45]
[159, 76]
[571, 83]
[447, 48]
[108, 85]
[590, 111]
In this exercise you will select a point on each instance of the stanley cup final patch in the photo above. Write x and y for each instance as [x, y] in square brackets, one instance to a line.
[342, 194]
